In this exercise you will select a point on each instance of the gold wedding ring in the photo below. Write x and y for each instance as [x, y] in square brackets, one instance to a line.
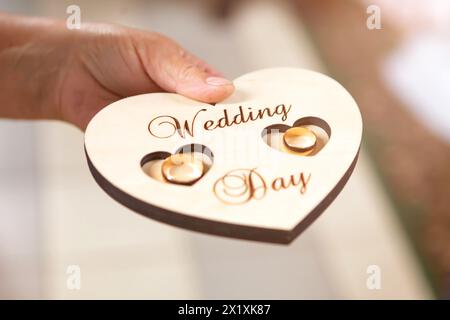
[299, 139]
[183, 168]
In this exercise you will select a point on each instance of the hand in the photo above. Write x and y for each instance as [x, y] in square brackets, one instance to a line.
[75, 73]
[107, 63]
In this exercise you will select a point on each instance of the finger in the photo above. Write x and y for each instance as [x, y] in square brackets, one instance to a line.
[174, 70]
[203, 65]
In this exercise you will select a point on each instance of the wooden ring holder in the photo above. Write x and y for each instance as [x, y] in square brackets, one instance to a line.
[252, 189]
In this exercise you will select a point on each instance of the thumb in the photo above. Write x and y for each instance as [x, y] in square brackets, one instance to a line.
[175, 70]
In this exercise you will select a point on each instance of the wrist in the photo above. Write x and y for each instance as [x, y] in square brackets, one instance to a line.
[31, 58]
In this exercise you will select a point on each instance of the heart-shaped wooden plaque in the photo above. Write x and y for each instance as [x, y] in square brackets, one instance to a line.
[253, 185]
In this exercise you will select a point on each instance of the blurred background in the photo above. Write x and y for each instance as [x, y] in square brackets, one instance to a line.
[394, 212]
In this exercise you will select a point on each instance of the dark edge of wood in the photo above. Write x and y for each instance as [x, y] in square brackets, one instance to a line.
[219, 228]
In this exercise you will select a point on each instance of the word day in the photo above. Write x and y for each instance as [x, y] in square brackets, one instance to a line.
[242, 185]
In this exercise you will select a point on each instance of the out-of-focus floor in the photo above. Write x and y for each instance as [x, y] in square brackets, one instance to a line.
[57, 216]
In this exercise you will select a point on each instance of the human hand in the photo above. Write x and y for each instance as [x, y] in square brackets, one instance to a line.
[78, 72]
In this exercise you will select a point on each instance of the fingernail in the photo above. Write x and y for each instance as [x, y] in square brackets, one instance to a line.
[218, 81]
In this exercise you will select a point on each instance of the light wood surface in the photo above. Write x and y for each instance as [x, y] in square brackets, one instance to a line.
[282, 193]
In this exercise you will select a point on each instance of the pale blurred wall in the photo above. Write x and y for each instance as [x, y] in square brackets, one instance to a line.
[19, 220]
[19, 217]
[63, 217]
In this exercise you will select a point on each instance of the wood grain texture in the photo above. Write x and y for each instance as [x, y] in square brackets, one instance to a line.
[283, 193]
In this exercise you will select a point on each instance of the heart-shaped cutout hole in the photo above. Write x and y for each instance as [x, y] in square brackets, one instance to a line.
[185, 166]
[306, 137]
